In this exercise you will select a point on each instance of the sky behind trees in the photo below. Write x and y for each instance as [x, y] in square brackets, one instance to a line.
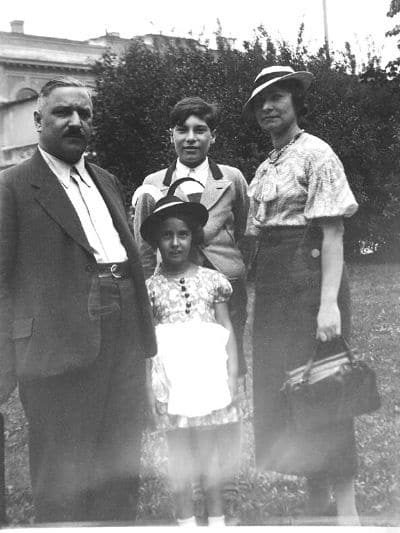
[362, 22]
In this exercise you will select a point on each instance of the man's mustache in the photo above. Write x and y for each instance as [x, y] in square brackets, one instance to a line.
[74, 132]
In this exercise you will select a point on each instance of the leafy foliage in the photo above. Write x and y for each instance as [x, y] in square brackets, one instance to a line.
[394, 9]
[356, 114]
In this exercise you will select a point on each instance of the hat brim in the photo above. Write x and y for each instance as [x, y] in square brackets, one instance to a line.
[192, 210]
[304, 77]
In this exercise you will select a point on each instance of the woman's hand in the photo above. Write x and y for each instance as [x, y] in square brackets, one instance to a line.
[328, 319]
[328, 322]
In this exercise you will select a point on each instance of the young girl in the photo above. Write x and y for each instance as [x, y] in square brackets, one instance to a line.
[192, 379]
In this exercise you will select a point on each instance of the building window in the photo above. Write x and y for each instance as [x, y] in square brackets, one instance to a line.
[25, 93]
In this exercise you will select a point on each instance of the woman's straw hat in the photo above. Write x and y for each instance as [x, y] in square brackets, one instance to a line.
[270, 75]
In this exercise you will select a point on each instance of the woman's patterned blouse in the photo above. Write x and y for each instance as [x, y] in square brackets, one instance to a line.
[303, 181]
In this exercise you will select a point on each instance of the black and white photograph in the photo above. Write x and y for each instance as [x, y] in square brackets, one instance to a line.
[200, 264]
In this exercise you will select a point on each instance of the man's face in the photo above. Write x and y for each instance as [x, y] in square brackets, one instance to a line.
[64, 123]
[192, 141]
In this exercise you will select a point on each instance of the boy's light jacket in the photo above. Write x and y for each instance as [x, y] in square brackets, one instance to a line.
[224, 196]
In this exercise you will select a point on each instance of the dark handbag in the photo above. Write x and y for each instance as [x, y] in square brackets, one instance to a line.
[330, 390]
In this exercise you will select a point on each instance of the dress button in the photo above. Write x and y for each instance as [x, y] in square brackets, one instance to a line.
[89, 268]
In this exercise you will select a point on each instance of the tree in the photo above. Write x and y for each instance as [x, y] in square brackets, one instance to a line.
[394, 8]
[358, 115]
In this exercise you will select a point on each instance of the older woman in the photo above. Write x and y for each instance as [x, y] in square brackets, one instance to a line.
[299, 196]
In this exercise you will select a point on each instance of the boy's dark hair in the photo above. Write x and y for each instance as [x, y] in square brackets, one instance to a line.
[194, 105]
[196, 229]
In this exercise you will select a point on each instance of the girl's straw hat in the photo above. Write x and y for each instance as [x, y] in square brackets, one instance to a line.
[270, 75]
[172, 206]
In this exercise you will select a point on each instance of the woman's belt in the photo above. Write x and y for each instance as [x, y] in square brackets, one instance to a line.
[273, 235]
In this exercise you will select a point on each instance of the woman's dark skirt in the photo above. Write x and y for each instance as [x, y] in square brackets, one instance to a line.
[287, 297]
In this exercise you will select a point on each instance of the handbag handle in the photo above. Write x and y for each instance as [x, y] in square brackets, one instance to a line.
[177, 183]
[308, 367]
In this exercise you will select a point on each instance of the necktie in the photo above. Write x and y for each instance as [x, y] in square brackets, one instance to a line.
[96, 220]
[89, 213]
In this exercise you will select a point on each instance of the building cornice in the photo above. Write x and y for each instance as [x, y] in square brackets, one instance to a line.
[51, 65]
[20, 38]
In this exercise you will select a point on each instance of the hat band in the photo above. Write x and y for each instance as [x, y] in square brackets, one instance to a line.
[268, 77]
[164, 206]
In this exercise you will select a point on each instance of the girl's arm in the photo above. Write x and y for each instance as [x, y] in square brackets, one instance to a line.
[223, 318]
[328, 319]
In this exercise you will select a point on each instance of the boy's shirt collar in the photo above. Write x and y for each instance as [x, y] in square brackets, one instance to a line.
[199, 173]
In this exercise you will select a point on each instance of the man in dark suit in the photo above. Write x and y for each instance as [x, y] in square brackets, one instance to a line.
[75, 321]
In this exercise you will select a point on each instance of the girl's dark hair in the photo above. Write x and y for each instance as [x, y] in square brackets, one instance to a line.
[194, 105]
[196, 229]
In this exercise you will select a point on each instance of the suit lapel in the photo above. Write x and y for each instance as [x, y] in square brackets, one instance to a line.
[52, 197]
[215, 185]
[213, 191]
[168, 175]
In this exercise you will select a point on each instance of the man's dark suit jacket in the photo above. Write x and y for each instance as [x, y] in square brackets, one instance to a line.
[47, 273]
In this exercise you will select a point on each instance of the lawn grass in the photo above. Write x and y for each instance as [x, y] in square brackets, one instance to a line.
[268, 498]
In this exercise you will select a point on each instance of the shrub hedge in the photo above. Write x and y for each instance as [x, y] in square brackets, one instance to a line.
[357, 114]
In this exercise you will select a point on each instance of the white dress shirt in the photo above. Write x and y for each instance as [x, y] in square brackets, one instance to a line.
[90, 207]
[199, 173]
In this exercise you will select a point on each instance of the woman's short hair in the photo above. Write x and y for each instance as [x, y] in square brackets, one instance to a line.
[194, 105]
[195, 228]
[297, 92]
[296, 89]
